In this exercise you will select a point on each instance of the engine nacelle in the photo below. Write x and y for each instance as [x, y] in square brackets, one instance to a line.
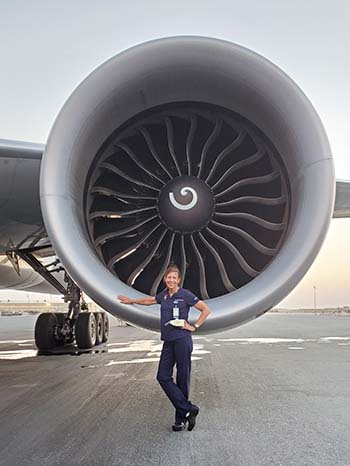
[195, 151]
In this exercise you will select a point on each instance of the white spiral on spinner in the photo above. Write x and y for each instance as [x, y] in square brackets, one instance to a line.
[183, 192]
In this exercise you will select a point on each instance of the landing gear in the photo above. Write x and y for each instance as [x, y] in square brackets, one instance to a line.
[54, 329]
[57, 329]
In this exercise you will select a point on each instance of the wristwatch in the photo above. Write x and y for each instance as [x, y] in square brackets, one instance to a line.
[196, 326]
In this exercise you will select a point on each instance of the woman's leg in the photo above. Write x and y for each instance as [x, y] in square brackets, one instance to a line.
[165, 379]
[183, 350]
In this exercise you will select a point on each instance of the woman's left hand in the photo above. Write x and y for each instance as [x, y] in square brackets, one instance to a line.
[189, 327]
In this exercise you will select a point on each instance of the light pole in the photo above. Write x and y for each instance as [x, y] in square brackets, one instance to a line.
[314, 298]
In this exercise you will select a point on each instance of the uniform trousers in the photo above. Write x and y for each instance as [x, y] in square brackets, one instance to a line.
[176, 352]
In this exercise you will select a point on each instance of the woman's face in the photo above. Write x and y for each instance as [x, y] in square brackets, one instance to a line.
[172, 280]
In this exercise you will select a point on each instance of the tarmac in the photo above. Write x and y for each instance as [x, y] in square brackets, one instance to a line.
[273, 392]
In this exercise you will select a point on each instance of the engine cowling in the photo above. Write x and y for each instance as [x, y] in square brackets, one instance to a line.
[195, 151]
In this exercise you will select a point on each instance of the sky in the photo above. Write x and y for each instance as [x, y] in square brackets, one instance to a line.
[48, 47]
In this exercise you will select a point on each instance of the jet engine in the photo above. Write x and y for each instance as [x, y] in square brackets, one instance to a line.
[193, 151]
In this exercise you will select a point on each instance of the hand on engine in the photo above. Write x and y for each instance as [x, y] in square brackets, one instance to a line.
[124, 299]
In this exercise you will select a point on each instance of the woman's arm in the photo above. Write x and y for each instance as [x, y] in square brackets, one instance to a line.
[205, 311]
[143, 301]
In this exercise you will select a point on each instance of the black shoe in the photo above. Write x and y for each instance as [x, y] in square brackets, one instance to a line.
[192, 417]
[179, 426]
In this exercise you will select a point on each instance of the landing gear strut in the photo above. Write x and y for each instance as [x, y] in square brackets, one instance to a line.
[56, 328]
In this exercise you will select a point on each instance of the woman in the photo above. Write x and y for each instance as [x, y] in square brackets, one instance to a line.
[175, 302]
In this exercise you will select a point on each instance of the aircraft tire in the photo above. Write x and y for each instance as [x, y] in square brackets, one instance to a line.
[85, 330]
[44, 331]
[99, 327]
[105, 327]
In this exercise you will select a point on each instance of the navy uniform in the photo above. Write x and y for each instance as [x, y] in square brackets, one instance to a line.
[177, 349]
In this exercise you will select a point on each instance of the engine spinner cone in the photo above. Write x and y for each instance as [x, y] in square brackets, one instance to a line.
[186, 204]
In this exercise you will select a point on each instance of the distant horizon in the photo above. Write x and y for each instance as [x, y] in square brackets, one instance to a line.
[50, 303]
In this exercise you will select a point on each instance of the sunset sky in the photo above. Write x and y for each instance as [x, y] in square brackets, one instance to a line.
[47, 48]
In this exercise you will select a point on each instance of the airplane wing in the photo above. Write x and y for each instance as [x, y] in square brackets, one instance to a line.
[21, 149]
[21, 224]
[342, 200]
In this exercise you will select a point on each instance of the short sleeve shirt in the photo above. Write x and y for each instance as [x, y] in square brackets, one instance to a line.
[184, 300]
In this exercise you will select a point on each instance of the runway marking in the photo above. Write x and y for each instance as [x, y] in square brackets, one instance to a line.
[15, 354]
[334, 338]
[295, 347]
[153, 347]
[138, 345]
[131, 342]
[132, 361]
[263, 340]
[15, 341]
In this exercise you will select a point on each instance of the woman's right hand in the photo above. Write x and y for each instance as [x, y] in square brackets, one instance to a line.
[189, 327]
[124, 299]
